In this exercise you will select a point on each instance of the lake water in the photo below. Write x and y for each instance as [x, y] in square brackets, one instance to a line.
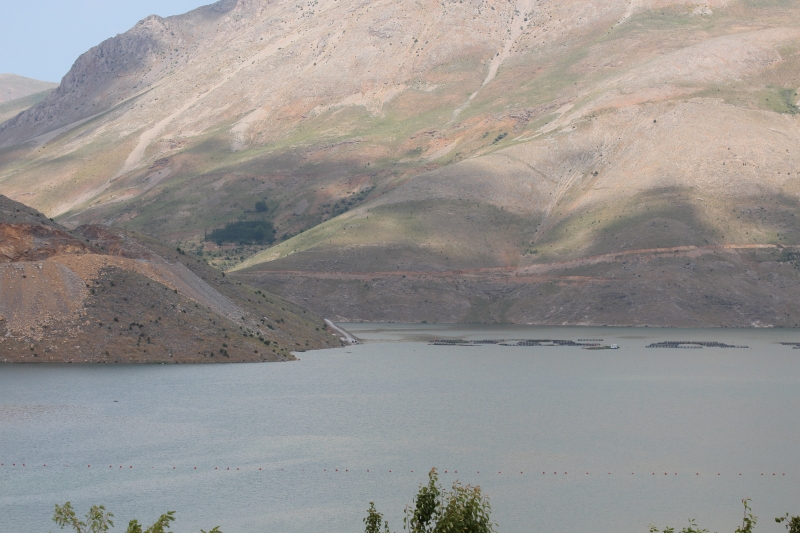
[385, 412]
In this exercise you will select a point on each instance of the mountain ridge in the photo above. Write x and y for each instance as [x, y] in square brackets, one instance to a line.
[417, 139]
[14, 87]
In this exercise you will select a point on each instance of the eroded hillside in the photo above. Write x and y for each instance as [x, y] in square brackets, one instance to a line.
[620, 162]
[98, 295]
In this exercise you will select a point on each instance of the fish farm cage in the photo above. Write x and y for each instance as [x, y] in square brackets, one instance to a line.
[692, 345]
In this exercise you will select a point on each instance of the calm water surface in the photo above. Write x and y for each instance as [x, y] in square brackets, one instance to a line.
[397, 404]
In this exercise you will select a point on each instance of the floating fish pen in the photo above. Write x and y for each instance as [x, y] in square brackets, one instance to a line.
[450, 342]
[598, 347]
[692, 345]
[529, 342]
[795, 344]
[546, 342]
[590, 340]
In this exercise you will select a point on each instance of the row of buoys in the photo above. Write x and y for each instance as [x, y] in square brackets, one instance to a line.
[368, 470]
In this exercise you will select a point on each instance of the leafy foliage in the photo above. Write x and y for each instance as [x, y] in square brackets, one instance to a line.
[244, 232]
[98, 521]
[161, 525]
[419, 519]
[261, 206]
[792, 524]
[463, 509]
[345, 204]
[467, 510]
[748, 523]
[691, 528]
[500, 137]
[374, 519]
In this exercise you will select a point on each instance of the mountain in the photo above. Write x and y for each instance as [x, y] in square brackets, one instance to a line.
[103, 296]
[18, 94]
[13, 108]
[13, 87]
[611, 162]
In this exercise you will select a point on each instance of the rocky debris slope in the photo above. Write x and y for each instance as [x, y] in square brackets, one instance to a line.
[173, 274]
[114, 300]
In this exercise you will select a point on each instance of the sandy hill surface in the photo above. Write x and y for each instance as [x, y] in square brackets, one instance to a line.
[13, 87]
[99, 295]
[618, 161]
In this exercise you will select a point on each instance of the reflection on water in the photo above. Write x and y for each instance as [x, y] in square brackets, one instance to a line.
[604, 427]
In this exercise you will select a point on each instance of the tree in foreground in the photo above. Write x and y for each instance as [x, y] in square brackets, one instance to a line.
[463, 509]
[748, 523]
[792, 523]
[374, 520]
[99, 521]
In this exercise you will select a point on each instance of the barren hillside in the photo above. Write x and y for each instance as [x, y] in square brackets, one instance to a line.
[620, 162]
[98, 295]
[13, 87]
[18, 94]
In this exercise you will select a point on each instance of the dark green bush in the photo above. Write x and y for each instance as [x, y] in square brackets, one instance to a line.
[244, 232]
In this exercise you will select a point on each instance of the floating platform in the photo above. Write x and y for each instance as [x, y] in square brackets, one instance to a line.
[450, 342]
[546, 342]
[524, 342]
[692, 345]
[611, 347]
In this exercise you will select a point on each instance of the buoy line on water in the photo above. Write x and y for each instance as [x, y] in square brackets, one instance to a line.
[13, 466]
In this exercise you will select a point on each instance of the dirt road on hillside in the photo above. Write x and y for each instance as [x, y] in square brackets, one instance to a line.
[537, 272]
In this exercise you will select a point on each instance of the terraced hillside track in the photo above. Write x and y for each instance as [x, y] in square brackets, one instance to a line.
[714, 285]
[532, 272]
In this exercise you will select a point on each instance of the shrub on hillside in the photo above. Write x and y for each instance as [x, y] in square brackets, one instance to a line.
[244, 232]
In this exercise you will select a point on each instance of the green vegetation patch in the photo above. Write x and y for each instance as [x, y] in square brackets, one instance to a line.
[770, 98]
[243, 232]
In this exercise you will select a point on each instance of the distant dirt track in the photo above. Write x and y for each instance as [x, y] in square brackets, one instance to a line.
[526, 273]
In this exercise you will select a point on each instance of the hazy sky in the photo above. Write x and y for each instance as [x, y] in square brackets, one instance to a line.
[42, 38]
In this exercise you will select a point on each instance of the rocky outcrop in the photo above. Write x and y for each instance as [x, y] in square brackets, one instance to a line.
[101, 78]
[63, 299]
[26, 235]
[116, 70]
[34, 242]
